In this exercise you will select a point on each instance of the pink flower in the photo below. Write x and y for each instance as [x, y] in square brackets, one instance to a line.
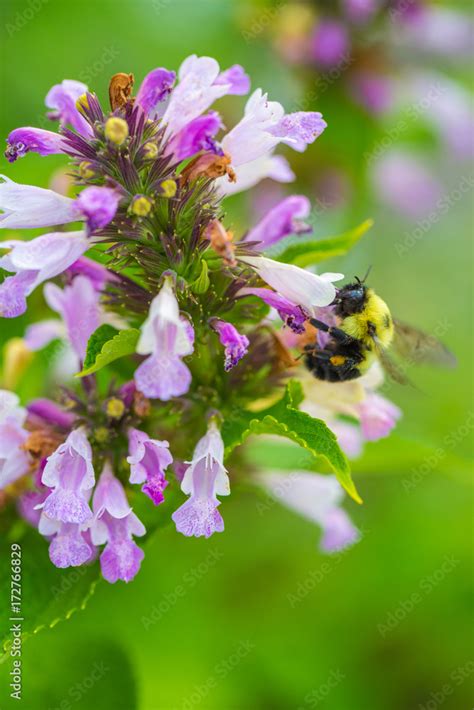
[205, 479]
[166, 337]
[378, 416]
[148, 459]
[114, 526]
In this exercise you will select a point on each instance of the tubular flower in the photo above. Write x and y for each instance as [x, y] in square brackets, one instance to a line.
[115, 525]
[159, 314]
[14, 461]
[33, 263]
[205, 479]
[148, 459]
[69, 472]
[166, 337]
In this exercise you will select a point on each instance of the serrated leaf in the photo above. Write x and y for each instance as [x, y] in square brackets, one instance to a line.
[312, 252]
[284, 419]
[106, 346]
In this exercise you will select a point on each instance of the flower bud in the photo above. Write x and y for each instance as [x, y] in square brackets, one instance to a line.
[116, 130]
[150, 150]
[169, 188]
[115, 408]
[141, 205]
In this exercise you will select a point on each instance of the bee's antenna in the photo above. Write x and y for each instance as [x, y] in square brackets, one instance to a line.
[366, 275]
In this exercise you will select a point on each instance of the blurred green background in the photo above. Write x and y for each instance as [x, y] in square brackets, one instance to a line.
[257, 618]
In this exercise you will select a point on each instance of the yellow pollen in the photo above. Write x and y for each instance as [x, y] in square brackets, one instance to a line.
[115, 408]
[141, 206]
[169, 188]
[337, 360]
[116, 130]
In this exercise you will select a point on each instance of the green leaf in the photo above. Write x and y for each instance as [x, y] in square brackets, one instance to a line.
[106, 345]
[284, 419]
[312, 252]
[48, 594]
[202, 283]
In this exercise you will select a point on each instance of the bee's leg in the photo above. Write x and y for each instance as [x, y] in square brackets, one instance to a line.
[335, 333]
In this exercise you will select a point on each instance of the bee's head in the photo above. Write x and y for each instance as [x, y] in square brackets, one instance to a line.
[351, 298]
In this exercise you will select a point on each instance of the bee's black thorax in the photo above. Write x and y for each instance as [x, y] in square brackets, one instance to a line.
[351, 299]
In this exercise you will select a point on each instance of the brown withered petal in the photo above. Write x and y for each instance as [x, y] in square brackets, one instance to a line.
[221, 241]
[42, 443]
[208, 165]
[120, 89]
[141, 405]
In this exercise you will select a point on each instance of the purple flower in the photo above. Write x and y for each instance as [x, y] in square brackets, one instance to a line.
[27, 206]
[297, 285]
[292, 315]
[330, 43]
[251, 142]
[234, 343]
[69, 546]
[236, 79]
[28, 139]
[166, 337]
[281, 221]
[200, 84]
[373, 91]
[115, 525]
[48, 411]
[98, 274]
[148, 459]
[14, 462]
[264, 125]
[62, 99]
[197, 135]
[360, 11]
[317, 498]
[274, 167]
[154, 89]
[33, 263]
[79, 308]
[98, 205]
[70, 473]
[205, 479]
[378, 416]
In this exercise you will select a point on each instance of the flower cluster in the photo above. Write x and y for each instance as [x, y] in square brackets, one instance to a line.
[196, 326]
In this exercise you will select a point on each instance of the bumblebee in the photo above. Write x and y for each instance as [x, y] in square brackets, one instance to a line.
[364, 333]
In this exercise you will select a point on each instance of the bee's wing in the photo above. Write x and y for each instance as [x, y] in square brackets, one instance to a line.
[415, 346]
[392, 368]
